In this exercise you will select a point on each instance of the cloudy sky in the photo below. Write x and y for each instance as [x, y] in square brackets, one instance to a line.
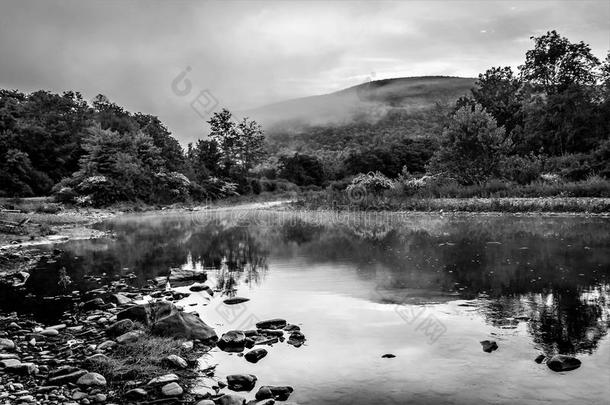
[248, 53]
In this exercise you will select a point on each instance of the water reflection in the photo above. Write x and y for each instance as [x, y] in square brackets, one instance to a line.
[551, 272]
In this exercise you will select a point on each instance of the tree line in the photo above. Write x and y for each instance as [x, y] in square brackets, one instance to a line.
[550, 118]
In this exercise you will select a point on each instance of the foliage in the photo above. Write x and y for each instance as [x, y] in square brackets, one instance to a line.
[372, 183]
[471, 148]
[302, 170]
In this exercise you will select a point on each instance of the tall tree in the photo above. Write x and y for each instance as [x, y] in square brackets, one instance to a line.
[555, 63]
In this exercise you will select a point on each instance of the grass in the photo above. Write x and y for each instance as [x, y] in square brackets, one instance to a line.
[140, 360]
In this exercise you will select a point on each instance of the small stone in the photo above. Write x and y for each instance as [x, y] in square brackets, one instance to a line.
[129, 337]
[172, 390]
[230, 399]
[388, 356]
[253, 356]
[175, 361]
[99, 398]
[235, 300]
[6, 344]
[489, 346]
[271, 324]
[136, 394]
[164, 379]
[540, 358]
[92, 380]
[50, 332]
[241, 382]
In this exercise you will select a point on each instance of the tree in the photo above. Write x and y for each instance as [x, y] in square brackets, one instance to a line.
[555, 63]
[170, 148]
[471, 148]
[303, 170]
[204, 159]
[241, 145]
[498, 91]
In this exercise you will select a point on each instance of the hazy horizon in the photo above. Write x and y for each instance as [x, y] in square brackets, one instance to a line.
[250, 54]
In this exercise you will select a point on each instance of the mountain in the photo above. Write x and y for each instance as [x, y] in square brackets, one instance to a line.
[371, 100]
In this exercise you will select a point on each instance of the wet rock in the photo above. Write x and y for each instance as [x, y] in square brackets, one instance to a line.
[235, 300]
[108, 344]
[99, 398]
[9, 364]
[388, 356]
[6, 344]
[561, 362]
[241, 382]
[119, 299]
[147, 314]
[185, 326]
[175, 361]
[164, 379]
[253, 356]
[120, 327]
[230, 399]
[201, 287]
[540, 358]
[489, 346]
[296, 339]
[279, 393]
[232, 341]
[92, 380]
[172, 390]
[129, 337]
[78, 395]
[271, 324]
[269, 401]
[291, 328]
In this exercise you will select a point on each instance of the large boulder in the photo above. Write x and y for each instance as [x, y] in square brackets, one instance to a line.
[183, 325]
[148, 314]
[187, 275]
[561, 362]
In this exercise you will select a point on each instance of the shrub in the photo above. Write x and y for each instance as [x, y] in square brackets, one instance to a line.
[521, 169]
[372, 182]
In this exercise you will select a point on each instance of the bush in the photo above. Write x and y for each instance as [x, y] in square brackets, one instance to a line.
[573, 167]
[521, 169]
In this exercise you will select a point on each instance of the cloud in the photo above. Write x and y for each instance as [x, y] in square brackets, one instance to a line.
[252, 53]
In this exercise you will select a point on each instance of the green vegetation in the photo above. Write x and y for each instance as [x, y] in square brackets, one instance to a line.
[543, 131]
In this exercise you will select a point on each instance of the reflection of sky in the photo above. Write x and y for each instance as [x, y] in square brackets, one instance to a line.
[347, 334]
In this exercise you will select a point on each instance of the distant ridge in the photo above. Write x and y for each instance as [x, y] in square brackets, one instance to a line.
[372, 98]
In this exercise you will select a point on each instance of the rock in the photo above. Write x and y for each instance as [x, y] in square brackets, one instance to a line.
[25, 398]
[253, 356]
[291, 328]
[97, 358]
[540, 358]
[235, 300]
[175, 361]
[147, 314]
[108, 344]
[120, 327]
[489, 346]
[241, 382]
[205, 402]
[129, 337]
[279, 393]
[230, 399]
[136, 394]
[92, 380]
[185, 326]
[6, 356]
[119, 299]
[27, 369]
[269, 401]
[9, 364]
[95, 303]
[99, 398]
[172, 390]
[271, 324]
[201, 287]
[561, 362]
[6, 344]
[164, 379]
[78, 395]
[388, 356]
[49, 332]
[296, 339]
[232, 341]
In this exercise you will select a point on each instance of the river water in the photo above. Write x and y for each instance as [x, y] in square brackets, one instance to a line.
[426, 288]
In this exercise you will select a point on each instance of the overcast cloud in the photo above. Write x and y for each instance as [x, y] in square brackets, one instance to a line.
[249, 53]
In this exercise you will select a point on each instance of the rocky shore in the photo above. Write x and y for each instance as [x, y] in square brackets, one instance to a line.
[119, 344]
